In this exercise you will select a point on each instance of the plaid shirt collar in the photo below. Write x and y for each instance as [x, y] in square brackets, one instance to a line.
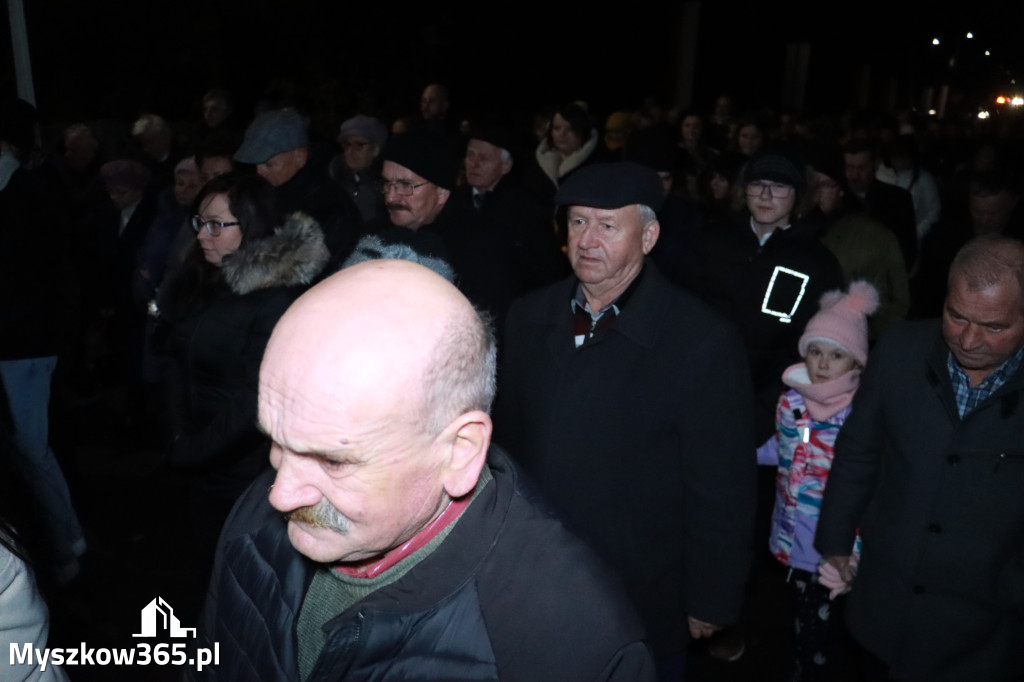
[969, 397]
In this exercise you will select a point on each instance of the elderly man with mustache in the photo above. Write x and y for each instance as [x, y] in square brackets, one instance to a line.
[417, 178]
[395, 541]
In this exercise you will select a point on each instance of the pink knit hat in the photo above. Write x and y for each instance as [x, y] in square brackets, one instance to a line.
[842, 321]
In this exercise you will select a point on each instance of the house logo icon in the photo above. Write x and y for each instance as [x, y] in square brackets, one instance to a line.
[158, 615]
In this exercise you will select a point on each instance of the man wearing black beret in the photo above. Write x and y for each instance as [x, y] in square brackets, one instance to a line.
[629, 402]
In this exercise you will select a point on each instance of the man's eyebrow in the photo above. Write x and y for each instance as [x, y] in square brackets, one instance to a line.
[343, 452]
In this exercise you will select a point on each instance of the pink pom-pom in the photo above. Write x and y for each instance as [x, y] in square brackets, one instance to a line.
[863, 297]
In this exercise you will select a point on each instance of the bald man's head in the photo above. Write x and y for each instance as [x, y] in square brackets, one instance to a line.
[374, 388]
[391, 325]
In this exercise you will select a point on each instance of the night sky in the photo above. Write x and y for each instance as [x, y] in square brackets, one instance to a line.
[105, 59]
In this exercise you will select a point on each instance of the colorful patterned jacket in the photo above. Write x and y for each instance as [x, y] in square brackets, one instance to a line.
[802, 449]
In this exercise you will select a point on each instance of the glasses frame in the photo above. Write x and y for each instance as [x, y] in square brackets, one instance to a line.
[211, 227]
[762, 187]
[403, 188]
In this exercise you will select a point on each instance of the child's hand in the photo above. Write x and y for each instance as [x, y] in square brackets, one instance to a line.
[837, 573]
[699, 628]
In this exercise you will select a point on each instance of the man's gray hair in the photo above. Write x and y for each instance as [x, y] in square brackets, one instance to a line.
[462, 374]
[151, 124]
[646, 214]
[989, 260]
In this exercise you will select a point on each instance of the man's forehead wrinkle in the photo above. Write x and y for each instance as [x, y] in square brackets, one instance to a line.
[296, 433]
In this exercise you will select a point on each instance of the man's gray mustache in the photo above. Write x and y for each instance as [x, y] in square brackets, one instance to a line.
[323, 514]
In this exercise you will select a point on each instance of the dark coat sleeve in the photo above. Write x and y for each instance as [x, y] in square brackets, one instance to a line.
[855, 467]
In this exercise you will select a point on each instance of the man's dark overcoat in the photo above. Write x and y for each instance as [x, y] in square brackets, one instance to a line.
[939, 501]
[643, 437]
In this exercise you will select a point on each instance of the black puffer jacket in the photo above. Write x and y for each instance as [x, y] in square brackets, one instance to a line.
[508, 595]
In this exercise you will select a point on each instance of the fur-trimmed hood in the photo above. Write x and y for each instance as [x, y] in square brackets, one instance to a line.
[294, 254]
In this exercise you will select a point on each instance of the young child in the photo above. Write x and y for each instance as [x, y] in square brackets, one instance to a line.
[809, 414]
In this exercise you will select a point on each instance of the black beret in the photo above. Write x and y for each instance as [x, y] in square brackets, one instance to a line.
[612, 185]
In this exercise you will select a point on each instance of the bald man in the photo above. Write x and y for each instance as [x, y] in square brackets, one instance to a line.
[392, 541]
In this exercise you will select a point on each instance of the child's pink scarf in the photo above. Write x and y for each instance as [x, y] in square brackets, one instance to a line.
[822, 400]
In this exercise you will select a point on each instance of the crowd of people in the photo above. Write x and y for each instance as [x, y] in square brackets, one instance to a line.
[656, 303]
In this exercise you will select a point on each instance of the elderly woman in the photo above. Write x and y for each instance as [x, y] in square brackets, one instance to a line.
[245, 269]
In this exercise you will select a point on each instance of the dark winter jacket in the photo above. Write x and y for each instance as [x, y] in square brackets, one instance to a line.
[312, 192]
[501, 250]
[509, 594]
[770, 292]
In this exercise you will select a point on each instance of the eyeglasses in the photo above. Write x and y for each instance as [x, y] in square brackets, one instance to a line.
[403, 188]
[212, 227]
[776, 190]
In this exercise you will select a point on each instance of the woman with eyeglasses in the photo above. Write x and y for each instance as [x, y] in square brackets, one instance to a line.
[245, 269]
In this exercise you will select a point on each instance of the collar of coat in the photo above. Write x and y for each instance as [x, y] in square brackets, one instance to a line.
[293, 255]
[640, 321]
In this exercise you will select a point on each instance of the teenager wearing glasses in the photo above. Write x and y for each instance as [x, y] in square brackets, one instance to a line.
[767, 269]
[767, 272]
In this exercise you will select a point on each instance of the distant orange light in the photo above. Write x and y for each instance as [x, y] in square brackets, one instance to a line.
[1000, 100]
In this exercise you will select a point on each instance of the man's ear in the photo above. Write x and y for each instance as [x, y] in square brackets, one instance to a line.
[442, 195]
[650, 235]
[466, 441]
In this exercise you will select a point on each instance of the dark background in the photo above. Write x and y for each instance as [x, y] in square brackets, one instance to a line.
[106, 59]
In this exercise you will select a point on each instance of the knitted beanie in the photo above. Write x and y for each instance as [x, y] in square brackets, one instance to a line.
[842, 321]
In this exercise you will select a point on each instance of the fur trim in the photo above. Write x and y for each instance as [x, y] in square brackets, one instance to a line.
[294, 254]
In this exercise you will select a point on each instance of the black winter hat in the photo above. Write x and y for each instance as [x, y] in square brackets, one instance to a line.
[426, 154]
